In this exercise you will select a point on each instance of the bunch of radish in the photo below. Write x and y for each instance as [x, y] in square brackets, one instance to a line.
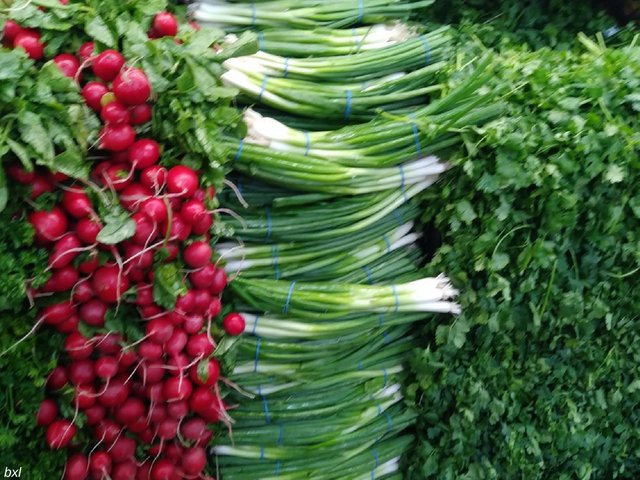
[145, 405]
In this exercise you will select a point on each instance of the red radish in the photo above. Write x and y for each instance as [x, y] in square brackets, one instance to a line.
[178, 364]
[47, 412]
[170, 251]
[203, 226]
[205, 372]
[140, 114]
[175, 318]
[131, 86]
[100, 464]
[182, 181]
[62, 280]
[201, 399]
[89, 266]
[151, 311]
[132, 196]
[109, 343]
[138, 257]
[108, 64]
[233, 324]
[95, 414]
[56, 379]
[86, 50]
[199, 345]
[57, 313]
[197, 254]
[122, 449]
[18, 172]
[68, 64]
[150, 350]
[114, 393]
[176, 343]
[10, 31]
[211, 413]
[130, 411]
[174, 202]
[107, 431]
[49, 226]
[81, 372]
[158, 412]
[115, 113]
[77, 467]
[155, 209]
[203, 278]
[154, 177]
[193, 324]
[76, 202]
[93, 93]
[202, 300]
[180, 230]
[178, 409]
[194, 429]
[162, 470]
[194, 460]
[144, 153]
[60, 433]
[127, 359]
[203, 194]
[193, 211]
[185, 303]
[167, 429]
[144, 295]
[64, 251]
[93, 313]
[124, 471]
[215, 307]
[117, 176]
[173, 452]
[70, 325]
[85, 397]
[39, 186]
[57, 177]
[219, 282]
[137, 275]
[177, 388]
[106, 367]
[109, 283]
[30, 42]
[140, 424]
[77, 346]
[146, 231]
[117, 137]
[159, 330]
[152, 372]
[144, 470]
[165, 24]
[87, 230]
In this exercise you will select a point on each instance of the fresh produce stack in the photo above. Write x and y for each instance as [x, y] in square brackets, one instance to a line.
[131, 281]
[323, 257]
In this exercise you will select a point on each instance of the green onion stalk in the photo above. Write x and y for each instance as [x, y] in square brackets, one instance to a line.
[412, 54]
[324, 41]
[301, 13]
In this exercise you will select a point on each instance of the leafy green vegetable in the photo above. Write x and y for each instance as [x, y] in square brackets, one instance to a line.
[167, 285]
[117, 228]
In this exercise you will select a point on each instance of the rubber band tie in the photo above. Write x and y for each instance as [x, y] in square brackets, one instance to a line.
[261, 453]
[307, 141]
[367, 270]
[427, 49]
[286, 67]
[416, 134]
[261, 44]
[277, 468]
[267, 211]
[347, 110]
[376, 456]
[387, 243]
[386, 377]
[285, 309]
[264, 403]
[239, 151]
[389, 422]
[255, 363]
[359, 365]
[360, 10]
[255, 325]
[254, 14]
[396, 298]
[263, 87]
[274, 259]
[379, 409]
[398, 217]
[387, 338]
[356, 37]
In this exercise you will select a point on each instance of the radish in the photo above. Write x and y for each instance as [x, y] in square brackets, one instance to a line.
[17, 172]
[87, 230]
[77, 346]
[56, 313]
[194, 429]
[176, 343]
[144, 153]
[109, 284]
[165, 24]
[180, 230]
[39, 186]
[93, 93]
[62, 280]
[157, 413]
[70, 325]
[193, 211]
[182, 181]
[219, 282]
[173, 452]
[194, 460]
[30, 42]
[205, 372]
[59, 434]
[185, 303]
[203, 278]
[117, 176]
[132, 196]
[108, 64]
[89, 266]
[10, 31]
[86, 50]
[56, 379]
[95, 414]
[114, 393]
[124, 471]
[197, 254]
[131, 86]
[107, 431]
[47, 412]
[146, 231]
[175, 318]
[193, 324]
[152, 372]
[139, 425]
[178, 409]
[100, 464]
[149, 350]
[85, 397]
[177, 388]
[109, 343]
[77, 467]
[162, 470]
[154, 177]
[122, 449]
[144, 294]
[144, 470]
[117, 137]
[159, 330]
[81, 372]
[178, 364]
[138, 257]
[140, 114]
[127, 359]
[151, 311]
[49, 225]
[93, 313]
[76, 202]
[215, 307]
[201, 399]
[233, 324]
[202, 299]
[68, 64]
[202, 226]
[170, 251]
[115, 113]
[106, 367]
[167, 429]
[64, 251]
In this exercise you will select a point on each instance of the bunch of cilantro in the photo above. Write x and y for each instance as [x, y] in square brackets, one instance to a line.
[539, 378]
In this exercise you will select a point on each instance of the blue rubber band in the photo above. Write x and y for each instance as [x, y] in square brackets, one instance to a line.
[281, 435]
[416, 135]
[389, 422]
[285, 309]
[359, 365]
[373, 473]
[347, 110]
[277, 468]
[307, 141]
[267, 211]
[427, 50]
[360, 10]
[367, 270]
[255, 363]
[286, 67]
[261, 453]
[266, 409]
[255, 325]
[379, 409]
[387, 338]
[398, 217]
[396, 297]
[387, 243]
[263, 87]
[261, 44]
[239, 151]
[403, 183]
[386, 377]
[274, 259]
[254, 14]
[356, 37]
[376, 456]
